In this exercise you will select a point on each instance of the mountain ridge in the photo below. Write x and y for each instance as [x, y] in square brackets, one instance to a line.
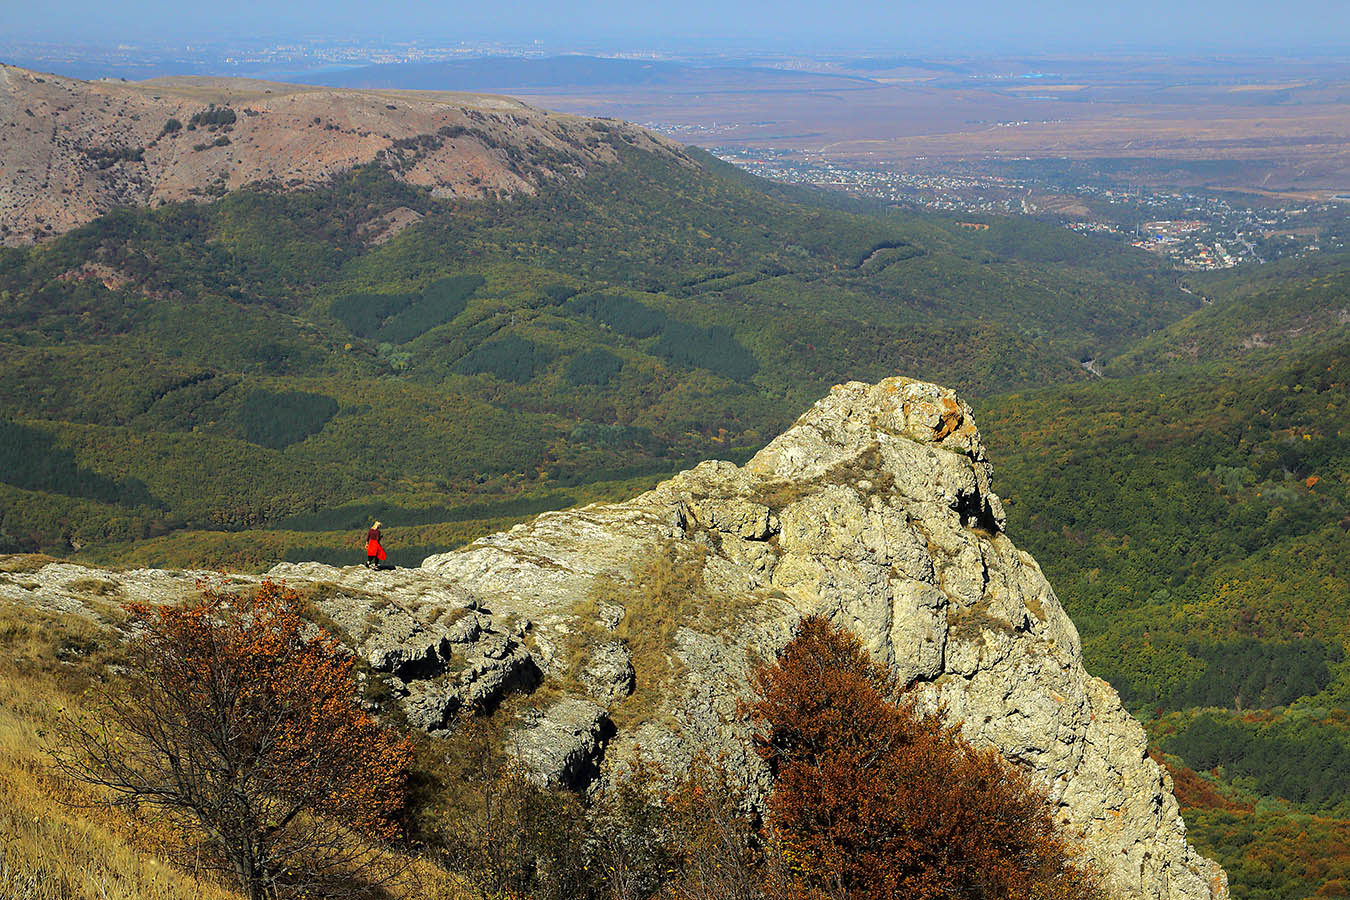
[72, 150]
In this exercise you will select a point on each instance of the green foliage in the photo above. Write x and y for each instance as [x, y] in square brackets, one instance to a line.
[623, 314]
[1286, 308]
[715, 349]
[1247, 673]
[440, 302]
[31, 459]
[398, 318]
[1184, 507]
[603, 435]
[213, 116]
[1302, 757]
[360, 515]
[592, 367]
[1275, 854]
[363, 314]
[554, 294]
[511, 358]
[278, 420]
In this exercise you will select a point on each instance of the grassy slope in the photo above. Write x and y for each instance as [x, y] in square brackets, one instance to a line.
[53, 845]
[56, 841]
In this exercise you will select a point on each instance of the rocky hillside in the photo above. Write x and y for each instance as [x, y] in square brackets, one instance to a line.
[71, 150]
[635, 624]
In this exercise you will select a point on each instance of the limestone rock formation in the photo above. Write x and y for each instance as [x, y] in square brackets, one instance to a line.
[875, 510]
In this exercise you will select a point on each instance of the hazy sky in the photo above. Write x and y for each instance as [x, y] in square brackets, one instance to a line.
[1024, 26]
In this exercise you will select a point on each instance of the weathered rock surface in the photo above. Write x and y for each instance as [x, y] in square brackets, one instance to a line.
[71, 150]
[875, 510]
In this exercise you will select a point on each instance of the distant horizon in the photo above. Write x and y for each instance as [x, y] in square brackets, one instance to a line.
[979, 28]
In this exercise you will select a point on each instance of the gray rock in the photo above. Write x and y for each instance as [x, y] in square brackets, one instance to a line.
[875, 510]
[430, 705]
[560, 745]
[608, 673]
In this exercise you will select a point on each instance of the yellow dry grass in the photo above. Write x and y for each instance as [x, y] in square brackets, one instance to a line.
[53, 845]
[56, 842]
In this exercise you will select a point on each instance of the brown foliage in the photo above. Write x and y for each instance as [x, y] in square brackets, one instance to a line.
[240, 724]
[1194, 792]
[873, 800]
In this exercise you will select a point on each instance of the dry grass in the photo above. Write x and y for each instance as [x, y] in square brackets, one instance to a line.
[667, 591]
[56, 841]
[99, 587]
[53, 844]
[23, 563]
[867, 466]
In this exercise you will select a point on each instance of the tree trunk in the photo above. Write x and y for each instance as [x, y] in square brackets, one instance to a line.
[250, 876]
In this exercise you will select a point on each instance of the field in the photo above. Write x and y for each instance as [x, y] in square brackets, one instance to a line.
[1279, 126]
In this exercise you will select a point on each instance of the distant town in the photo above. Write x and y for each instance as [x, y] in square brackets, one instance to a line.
[1192, 230]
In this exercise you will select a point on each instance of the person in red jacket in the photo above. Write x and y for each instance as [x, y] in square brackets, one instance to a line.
[374, 549]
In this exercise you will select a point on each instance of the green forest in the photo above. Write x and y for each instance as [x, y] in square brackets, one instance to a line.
[237, 383]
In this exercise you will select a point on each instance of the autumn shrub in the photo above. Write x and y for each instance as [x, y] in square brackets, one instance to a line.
[714, 838]
[241, 725]
[647, 833]
[873, 799]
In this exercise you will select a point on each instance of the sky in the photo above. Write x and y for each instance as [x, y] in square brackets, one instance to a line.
[1244, 27]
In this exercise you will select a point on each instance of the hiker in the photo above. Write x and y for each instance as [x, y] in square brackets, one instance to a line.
[374, 549]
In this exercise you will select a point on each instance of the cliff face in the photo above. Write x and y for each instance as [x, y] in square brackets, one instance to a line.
[875, 510]
[71, 150]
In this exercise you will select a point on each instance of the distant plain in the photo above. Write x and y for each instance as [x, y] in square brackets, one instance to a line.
[1280, 126]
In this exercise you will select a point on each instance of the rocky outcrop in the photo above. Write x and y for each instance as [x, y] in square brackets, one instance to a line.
[71, 150]
[875, 510]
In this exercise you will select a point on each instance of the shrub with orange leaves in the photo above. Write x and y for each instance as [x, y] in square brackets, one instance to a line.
[241, 723]
[871, 799]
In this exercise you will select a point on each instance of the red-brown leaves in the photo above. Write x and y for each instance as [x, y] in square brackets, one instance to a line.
[239, 718]
[249, 672]
[874, 800]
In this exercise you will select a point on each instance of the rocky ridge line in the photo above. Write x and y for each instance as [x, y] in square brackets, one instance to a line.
[875, 510]
[72, 150]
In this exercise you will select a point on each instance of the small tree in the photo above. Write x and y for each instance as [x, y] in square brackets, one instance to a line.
[238, 721]
[873, 800]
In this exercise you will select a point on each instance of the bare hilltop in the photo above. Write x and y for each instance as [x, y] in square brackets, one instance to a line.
[71, 150]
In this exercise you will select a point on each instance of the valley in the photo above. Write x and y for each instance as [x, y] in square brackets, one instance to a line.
[237, 357]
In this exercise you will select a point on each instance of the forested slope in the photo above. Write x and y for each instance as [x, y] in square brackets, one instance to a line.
[1195, 520]
[258, 363]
